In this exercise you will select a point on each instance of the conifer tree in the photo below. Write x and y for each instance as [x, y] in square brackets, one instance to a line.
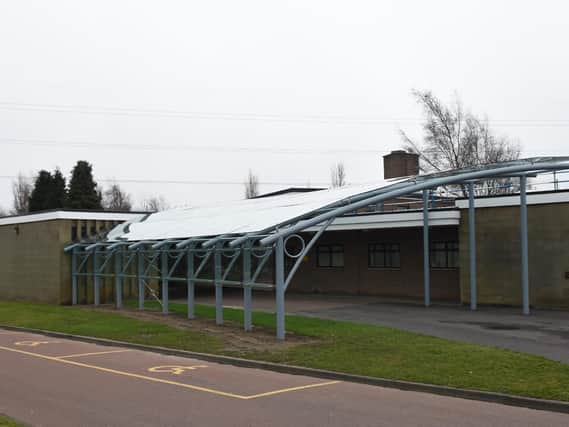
[48, 192]
[83, 192]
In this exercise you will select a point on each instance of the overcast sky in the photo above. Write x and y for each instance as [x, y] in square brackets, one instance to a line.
[199, 92]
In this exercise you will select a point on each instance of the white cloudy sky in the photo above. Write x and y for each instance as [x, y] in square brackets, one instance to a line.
[202, 91]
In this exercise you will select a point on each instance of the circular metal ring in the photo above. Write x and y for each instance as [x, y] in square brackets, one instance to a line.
[257, 255]
[303, 246]
[223, 253]
[197, 253]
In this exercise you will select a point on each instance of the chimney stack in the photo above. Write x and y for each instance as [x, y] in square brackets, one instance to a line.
[400, 163]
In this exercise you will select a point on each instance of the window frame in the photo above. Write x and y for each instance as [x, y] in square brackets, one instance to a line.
[446, 251]
[388, 250]
[330, 253]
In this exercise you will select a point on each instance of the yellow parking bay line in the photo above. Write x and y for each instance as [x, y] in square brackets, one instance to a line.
[286, 390]
[159, 380]
[92, 354]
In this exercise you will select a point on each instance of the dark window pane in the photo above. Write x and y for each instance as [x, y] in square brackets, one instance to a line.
[444, 254]
[330, 256]
[384, 255]
[337, 259]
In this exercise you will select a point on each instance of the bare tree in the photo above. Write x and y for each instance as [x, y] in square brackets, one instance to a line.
[251, 185]
[455, 138]
[338, 175]
[21, 191]
[155, 204]
[116, 199]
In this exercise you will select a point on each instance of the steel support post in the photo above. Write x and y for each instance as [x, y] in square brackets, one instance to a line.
[74, 277]
[191, 283]
[426, 259]
[96, 279]
[118, 277]
[247, 290]
[280, 287]
[472, 246]
[524, 241]
[140, 278]
[217, 268]
[164, 274]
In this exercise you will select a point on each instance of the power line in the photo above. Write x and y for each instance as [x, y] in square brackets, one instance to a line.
[198, 115]
[268, 117]
[177, 147]
[190, 182]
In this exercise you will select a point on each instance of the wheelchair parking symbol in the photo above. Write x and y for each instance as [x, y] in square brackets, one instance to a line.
[175, 369]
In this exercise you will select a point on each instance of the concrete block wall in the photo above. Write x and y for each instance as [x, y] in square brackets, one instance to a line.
[33, 266]
[31, 261]
[498, 254]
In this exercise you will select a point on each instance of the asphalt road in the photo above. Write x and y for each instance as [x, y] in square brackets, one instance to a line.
[46, 381]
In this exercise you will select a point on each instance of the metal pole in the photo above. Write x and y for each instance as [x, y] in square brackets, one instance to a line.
[140, 255]
[218, 285]
[524, 241]
[164, 274]
[96, 279]
[118, 278]
[472, 245]
[247, 291]
[191, 283]
[74, 277]
[426, 259]
[280, 288]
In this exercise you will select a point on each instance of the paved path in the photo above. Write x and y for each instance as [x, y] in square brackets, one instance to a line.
[46, 381]
[543, 333]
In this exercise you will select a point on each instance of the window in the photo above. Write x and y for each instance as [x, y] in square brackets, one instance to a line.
[74, 232]
[330, 256]
[384, 255]
[444, 255]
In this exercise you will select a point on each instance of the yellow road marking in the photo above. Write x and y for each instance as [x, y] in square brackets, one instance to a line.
[159, 380]
[175, 369]
[286, 390]
[92, 354]
[35, 343]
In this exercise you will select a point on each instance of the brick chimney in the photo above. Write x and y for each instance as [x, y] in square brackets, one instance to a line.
[400, 163]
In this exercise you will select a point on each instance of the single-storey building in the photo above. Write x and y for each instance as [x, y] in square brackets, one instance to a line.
[377, 249]
[33, 266]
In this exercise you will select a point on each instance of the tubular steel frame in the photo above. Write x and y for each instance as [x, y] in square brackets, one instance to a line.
[158, 260]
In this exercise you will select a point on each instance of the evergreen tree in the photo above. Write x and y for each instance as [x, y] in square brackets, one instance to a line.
[83, 192]
[58, 190]
[48, 192]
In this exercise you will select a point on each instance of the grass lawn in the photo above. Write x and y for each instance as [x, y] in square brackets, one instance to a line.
[9, 422]
[340, 346]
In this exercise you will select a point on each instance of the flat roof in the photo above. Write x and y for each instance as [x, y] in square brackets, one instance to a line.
[533, 198]
[62, 214]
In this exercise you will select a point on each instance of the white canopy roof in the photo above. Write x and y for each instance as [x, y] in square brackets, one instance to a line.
[236, 217]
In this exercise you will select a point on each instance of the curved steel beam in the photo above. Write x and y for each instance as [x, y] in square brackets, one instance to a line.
[418, 184]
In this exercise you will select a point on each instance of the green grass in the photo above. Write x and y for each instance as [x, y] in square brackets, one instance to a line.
[342, 346]
[9, 422]
[78, 321]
